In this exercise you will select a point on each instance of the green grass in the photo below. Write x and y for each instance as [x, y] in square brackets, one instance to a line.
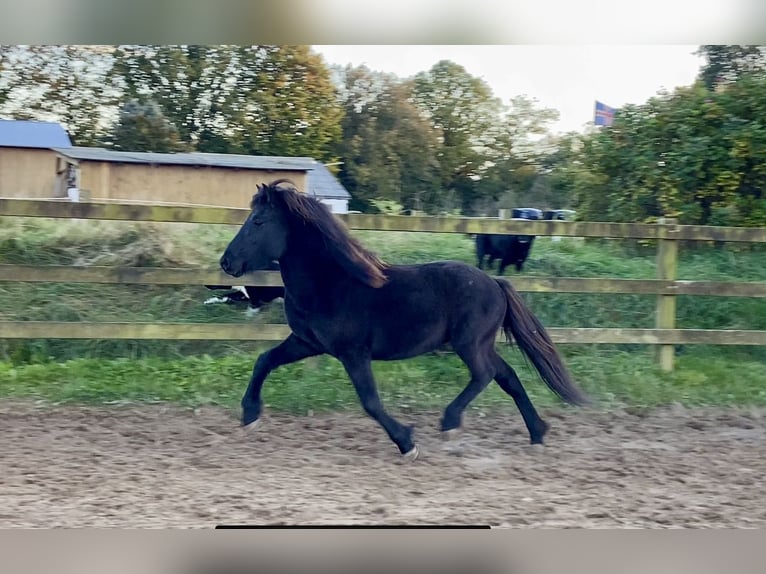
[201, 372]
[614, 378]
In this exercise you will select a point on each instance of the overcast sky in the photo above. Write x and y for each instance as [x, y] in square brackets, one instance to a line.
[566, 78]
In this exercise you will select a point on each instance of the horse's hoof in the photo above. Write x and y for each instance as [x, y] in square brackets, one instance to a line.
[452, 434]
[250, 427]
[412, 454]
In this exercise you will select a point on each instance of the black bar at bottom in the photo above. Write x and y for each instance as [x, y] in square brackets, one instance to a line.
[354, 526]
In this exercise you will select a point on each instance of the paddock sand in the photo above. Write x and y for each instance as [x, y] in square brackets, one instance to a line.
[156, 466]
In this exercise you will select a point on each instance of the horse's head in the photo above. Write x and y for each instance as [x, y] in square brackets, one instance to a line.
[262, 239]
[282, 217]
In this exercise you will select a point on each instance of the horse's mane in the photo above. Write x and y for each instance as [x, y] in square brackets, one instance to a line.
[344, 249]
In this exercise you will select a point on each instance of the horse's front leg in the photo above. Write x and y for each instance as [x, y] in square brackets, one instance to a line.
[360, 372]
[288, 351]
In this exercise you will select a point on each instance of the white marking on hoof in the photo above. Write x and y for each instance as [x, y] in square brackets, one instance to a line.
[412, 454]
[452, 434]
[252, 312]
[279, 300]
[214, 300]
[250, 427]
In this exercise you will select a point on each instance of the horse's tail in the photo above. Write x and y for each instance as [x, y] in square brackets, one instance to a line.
[535, 343]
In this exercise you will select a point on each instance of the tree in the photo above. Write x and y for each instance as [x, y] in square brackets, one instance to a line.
[285, 103]
[264, 100]
[7, 79]
[59, 83]
[189, 83]
[414, 144]
[693, 154]
[464, 111]
[561, 171]
[726, 63]
[143, 127]
[516, 153]
[388, 149]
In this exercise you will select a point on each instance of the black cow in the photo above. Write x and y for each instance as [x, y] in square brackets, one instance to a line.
[509, 249]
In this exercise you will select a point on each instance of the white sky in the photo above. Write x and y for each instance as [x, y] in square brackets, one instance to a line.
[566, 78]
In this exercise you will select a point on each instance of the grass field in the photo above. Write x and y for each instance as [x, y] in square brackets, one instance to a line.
[195, 373]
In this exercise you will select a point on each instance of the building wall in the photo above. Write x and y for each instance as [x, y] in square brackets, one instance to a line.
[336, 205]
[27, 173]
[221, 187]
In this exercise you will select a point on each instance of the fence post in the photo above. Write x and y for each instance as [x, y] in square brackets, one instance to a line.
[667, 269]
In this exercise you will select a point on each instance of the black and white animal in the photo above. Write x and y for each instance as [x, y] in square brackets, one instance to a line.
[509, 249]
[255, 297]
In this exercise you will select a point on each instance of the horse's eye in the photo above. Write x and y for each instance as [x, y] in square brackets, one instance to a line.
[257, 222]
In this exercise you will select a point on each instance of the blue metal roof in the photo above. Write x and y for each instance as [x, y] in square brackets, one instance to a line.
[322, 183]
[191, 159]
[30, 134]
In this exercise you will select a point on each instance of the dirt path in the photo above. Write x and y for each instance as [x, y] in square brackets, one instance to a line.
[153, 466]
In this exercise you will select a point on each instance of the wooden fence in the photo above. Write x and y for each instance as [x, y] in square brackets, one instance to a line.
[666, 286]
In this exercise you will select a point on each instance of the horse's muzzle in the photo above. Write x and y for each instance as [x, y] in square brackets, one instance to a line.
[227, 268]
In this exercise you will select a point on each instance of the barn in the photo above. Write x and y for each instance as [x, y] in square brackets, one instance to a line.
[37, 161]
[27, 160]
[222, 180]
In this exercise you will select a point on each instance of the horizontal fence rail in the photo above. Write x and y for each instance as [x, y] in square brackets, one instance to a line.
[195, 276]
[358, 221]
[666, 287]
[272, 332]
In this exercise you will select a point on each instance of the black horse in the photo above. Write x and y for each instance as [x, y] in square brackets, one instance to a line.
[339, 299]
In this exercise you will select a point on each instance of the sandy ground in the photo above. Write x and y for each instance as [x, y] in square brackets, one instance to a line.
[155, 466]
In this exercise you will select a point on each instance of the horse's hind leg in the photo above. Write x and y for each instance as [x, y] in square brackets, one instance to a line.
[507, 379]
[482, 371]
[360, 372]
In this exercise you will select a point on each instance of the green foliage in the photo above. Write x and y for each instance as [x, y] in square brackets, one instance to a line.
[263, 100]
[67, 84]
[464, 111]
[387, 206]
[693, 154]
[187, 82]
[6, 73]
[288, 104]
[260, 100]
[389, 150]
[726, 63]
[517, 153]
[143, 127]
[439, 142]
[612, 378]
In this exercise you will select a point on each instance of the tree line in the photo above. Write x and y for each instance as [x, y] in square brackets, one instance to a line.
[437, 142]
[697, 153]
